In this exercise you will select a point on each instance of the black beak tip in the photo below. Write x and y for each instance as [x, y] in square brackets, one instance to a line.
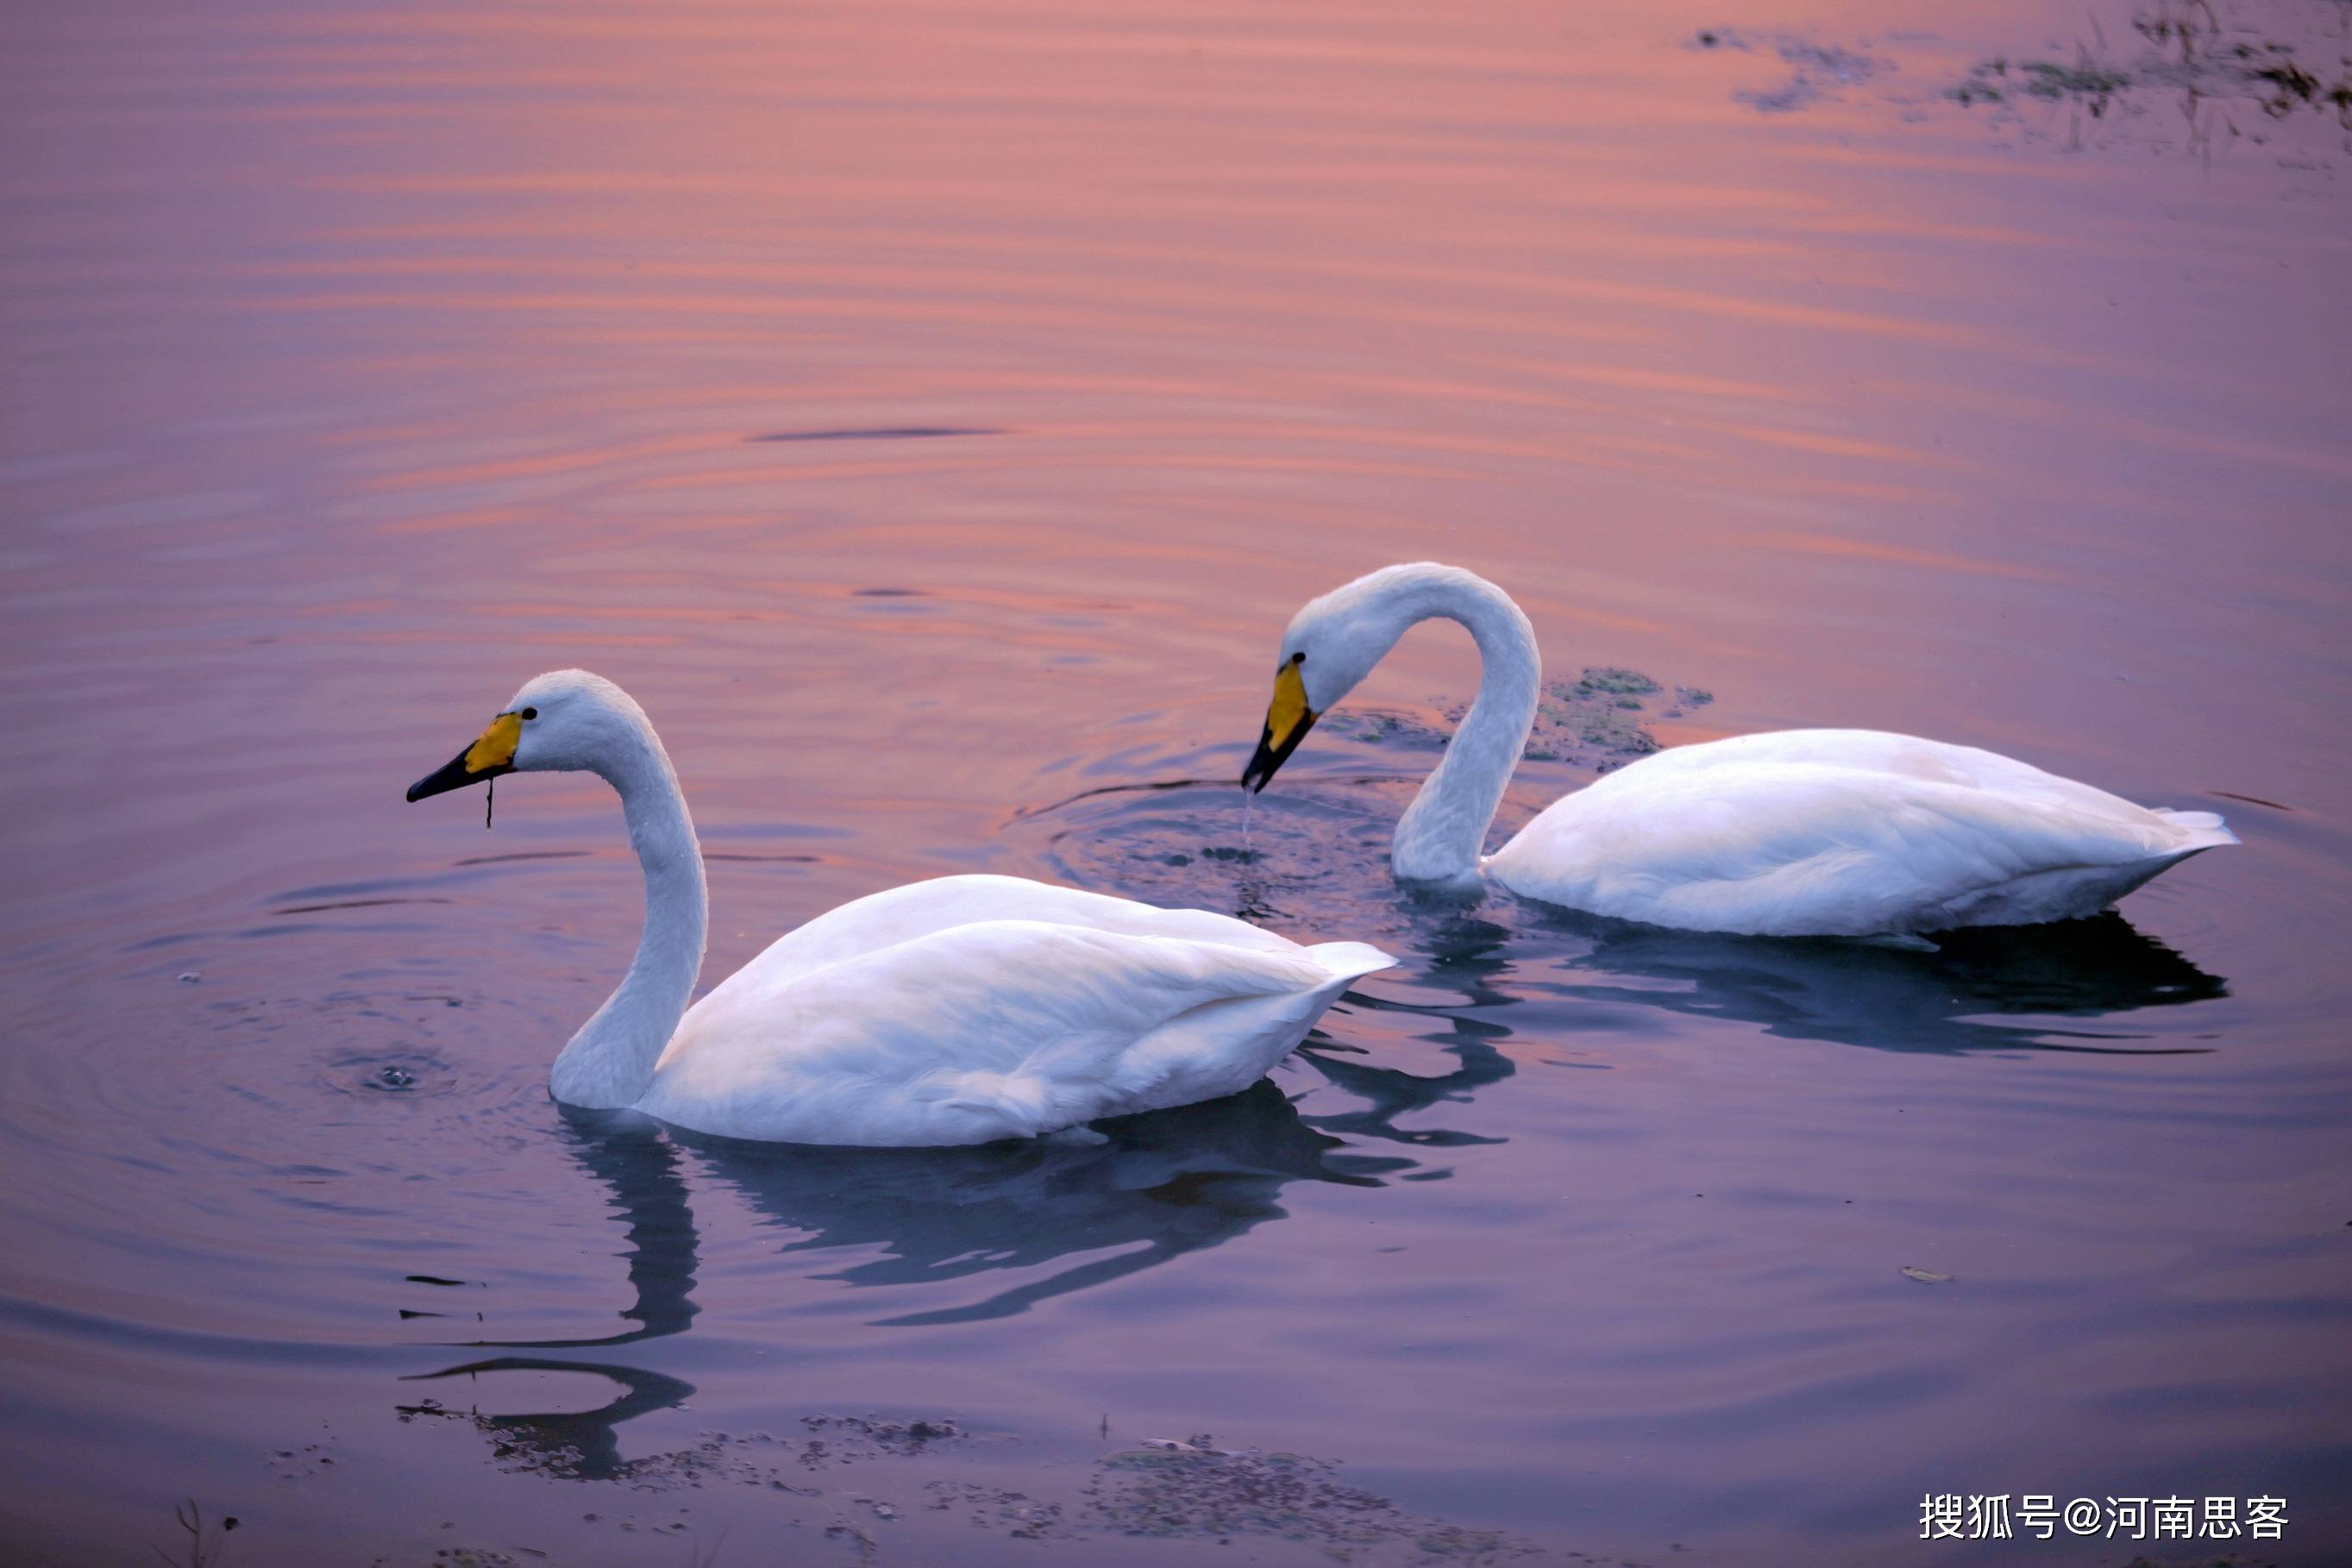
[453, 775]
[1267, 760]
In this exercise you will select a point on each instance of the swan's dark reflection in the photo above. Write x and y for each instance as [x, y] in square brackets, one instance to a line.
[583, 1446]
[1890, 998]
[633, 1161]
[1162, 1184]
[1460, 950]
[629, 1155]
[1158, 1186]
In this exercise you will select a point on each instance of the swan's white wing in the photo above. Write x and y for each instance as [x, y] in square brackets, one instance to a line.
[1871, 752]
[920, 909]
[998, 1028]
[1842, 832]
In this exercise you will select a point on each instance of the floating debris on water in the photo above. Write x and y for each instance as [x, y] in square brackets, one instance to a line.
[992, 1508]
[392, 1076]
[1605, 678]
[1819, 69]
[299, 1463]
[1172, 1489]
[2187, 49]
[1592, 720]
[2215, 61]
[863, 1437]
[2094, 85]
[856, 1539]
[1195, 1490]
[2267, 74]
[1926, 1276]
[1199, 1443]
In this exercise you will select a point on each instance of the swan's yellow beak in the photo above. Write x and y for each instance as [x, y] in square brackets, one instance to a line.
[492, 754]
[1288, 720]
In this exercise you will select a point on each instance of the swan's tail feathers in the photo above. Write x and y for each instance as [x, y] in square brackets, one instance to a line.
[1350, 960]
[2206, 829]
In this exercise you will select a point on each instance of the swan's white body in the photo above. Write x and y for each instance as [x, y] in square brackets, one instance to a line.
[973, 1008]
[1842, 832]
[1800, 833]
[957, 1011]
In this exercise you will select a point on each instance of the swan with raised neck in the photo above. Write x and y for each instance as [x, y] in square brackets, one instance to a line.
[961, 1010]
[572, 720]
[1798, 833]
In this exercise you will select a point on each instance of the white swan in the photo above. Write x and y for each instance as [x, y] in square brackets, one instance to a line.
[957, 1011]
[1801, 833]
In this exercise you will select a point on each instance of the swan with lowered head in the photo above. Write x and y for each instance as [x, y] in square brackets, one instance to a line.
[1799, 833]
[962, 1010]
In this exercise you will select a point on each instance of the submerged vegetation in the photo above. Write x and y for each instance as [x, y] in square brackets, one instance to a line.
[1597, 720]
[205, 1542]
[2211, 57]
[2185, 51]
[2085, 79]
[1817, 71]
[1160, 1488]
[1192, 1489]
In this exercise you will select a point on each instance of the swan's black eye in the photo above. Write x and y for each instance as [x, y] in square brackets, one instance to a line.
[531, 712]
[1299, 658]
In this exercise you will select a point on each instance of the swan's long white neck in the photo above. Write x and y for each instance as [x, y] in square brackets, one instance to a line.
[610, 1062]
[1443, 831]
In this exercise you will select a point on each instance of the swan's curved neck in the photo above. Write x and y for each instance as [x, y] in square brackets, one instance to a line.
[610, 1062]
[1443, 831]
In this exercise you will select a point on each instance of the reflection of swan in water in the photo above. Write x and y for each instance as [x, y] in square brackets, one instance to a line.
[583, 1446]
[1465, 952]
[1887, 999]
[640, 1168]
[1165, 1184]
[630, 1157]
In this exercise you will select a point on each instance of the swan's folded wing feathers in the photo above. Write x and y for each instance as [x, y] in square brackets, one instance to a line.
[1861, 755]
[1790, 845]
[924, 908]
[996, 1028]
